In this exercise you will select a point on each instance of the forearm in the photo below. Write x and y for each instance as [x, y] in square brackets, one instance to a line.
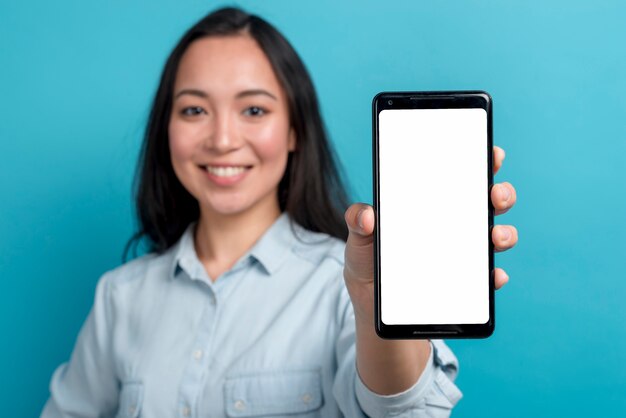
[387, 366]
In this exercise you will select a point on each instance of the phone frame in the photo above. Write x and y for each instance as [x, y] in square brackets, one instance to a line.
[431, 100]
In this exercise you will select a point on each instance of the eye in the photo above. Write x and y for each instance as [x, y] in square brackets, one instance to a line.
[254, 111]
[192, 111]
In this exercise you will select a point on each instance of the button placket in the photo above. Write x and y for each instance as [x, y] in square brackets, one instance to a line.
[196, 369]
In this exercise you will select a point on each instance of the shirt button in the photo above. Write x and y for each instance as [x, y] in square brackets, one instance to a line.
[131, 410]
[186, 411]
[240, 405]
[197, 354]
[306, 398]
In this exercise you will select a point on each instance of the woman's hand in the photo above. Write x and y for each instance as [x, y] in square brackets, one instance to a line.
[503, 197]
[359, 263]
[392, 366]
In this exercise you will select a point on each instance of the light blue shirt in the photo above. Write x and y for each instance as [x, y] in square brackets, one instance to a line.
[273, 336]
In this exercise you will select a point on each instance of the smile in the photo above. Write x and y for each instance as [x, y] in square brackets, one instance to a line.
[221, 171]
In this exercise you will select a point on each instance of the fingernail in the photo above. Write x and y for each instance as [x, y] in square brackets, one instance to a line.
[505, 234]
[505, 193]
[359, 218]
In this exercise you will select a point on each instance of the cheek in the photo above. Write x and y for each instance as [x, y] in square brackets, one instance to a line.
[272, 143]
[181, 152]
[180, 142]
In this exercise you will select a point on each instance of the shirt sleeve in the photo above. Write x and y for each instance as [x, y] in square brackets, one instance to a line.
[434, 394]
[87, 386]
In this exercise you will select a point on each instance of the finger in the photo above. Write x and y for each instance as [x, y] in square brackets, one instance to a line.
[500, 277]
[503, 237]
[503, 197]
[498, 158]
[359, 261]
[360, 221]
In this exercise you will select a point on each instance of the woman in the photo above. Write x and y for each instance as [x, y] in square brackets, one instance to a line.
[244, 306]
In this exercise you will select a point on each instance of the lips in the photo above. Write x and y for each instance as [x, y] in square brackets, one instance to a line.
[227, 171]
[226, 175]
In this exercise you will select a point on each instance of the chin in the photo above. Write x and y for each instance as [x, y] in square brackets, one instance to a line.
[226, 208]
[237, 203]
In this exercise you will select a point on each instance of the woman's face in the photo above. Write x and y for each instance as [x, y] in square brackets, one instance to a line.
[229, 131]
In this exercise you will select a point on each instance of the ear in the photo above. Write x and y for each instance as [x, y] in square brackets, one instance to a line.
[291, 144]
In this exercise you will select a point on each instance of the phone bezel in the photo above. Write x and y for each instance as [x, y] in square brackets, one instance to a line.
[432, 100]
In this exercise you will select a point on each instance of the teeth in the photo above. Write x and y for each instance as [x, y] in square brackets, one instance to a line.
[225, 171]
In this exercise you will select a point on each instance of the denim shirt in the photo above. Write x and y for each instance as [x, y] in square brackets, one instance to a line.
[273, 336]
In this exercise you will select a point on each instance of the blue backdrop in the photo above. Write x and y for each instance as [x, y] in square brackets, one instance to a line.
[76, 81]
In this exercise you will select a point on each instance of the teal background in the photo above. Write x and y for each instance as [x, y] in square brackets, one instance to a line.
[76, 80]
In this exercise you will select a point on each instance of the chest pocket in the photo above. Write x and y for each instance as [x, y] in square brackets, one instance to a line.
[274, 393]
[131, 398]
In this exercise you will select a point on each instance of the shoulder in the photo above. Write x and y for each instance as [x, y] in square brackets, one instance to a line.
[317, 247]
[135, 272]
[125, 291]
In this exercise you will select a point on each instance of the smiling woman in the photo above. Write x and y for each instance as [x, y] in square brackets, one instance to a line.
[231, 152]
[254, 300]
[234, 64]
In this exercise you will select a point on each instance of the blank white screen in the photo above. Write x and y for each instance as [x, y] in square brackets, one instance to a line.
[433, 206]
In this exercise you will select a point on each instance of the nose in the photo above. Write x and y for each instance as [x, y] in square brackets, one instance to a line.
[223, 135]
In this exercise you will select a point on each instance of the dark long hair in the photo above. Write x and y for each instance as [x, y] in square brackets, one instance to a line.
[311, 190]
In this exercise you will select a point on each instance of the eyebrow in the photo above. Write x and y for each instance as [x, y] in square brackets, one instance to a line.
[245, 93]
[192, 92]
[256, 92]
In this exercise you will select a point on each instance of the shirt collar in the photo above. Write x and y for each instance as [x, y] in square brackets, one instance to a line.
[185, 253]
[270, 250]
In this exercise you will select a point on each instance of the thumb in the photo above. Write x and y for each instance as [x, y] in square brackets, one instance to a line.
[360, 221]
[359, 256]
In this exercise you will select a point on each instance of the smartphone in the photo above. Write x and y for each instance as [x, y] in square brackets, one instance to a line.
[433, 252]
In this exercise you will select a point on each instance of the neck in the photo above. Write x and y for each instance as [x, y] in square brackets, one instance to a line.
[220, 240]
